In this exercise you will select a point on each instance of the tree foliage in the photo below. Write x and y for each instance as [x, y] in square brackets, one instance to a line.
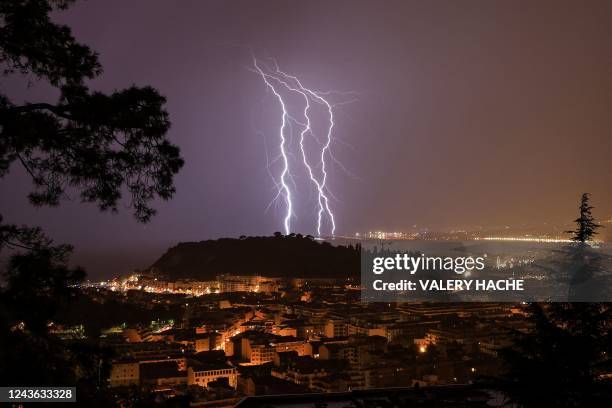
[586, 227]
[266, 256]
[96, 143]
[561, 360]
[100, 145]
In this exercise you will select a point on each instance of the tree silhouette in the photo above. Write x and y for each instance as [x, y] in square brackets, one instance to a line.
[560, 360]
[87, 141]
[586, 227]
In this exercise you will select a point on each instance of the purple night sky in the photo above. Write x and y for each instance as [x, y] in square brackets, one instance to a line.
[469, 113]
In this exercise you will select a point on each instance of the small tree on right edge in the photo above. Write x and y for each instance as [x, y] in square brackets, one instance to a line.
[586, 225]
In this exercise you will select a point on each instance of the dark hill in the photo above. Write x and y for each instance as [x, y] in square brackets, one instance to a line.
[291, 256]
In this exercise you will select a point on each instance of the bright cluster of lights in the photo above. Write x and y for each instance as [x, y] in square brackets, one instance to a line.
[135, 282]
[526, 239]
[384, 235]
[512, 262]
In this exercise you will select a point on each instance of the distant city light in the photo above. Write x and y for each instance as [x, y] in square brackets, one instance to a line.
[526, 239]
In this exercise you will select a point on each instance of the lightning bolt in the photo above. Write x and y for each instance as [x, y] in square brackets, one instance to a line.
[284, 187]
[322, 199]
[293, 84]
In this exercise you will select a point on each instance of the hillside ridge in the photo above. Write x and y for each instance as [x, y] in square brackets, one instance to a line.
[289, 256]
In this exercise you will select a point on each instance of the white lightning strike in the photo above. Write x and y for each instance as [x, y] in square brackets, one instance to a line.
[283, 140]
[323, 201]
[293, 84]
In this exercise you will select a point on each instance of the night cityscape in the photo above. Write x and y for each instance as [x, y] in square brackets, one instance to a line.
[305, 204]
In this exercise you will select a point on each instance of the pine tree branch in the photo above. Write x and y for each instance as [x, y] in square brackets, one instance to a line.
[31, 107]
